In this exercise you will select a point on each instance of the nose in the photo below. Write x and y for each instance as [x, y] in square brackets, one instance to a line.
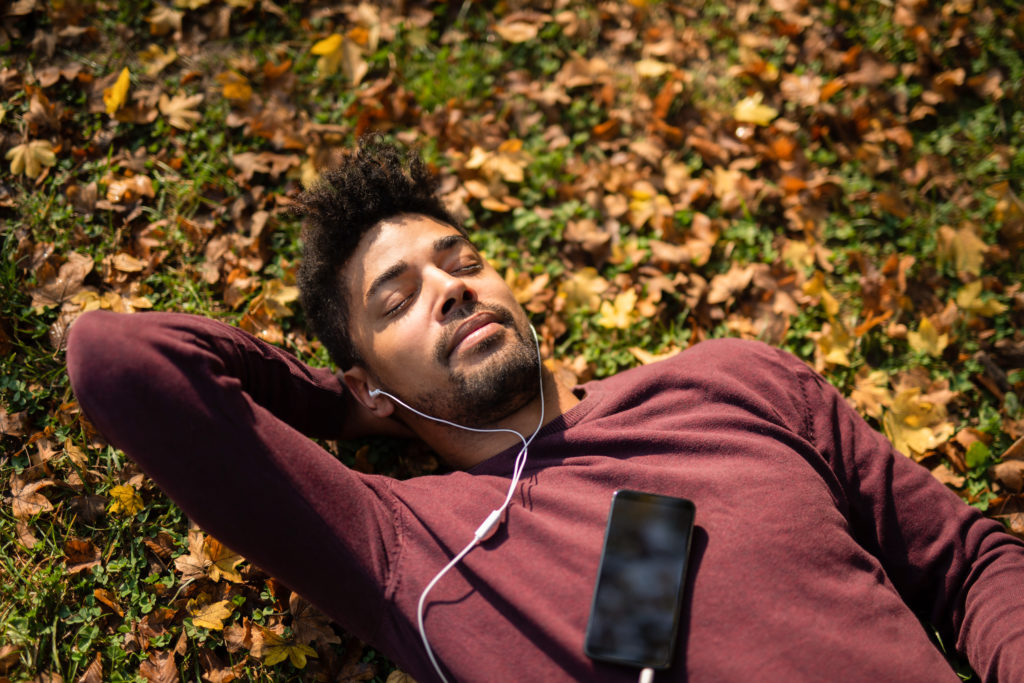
[454, 292]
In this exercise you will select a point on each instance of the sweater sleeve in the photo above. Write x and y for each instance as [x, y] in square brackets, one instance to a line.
[956, 569]
[219, 420]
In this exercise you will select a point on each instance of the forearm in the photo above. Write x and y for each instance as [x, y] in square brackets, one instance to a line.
[109, 352]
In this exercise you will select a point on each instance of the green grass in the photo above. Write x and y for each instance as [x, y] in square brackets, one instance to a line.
[448, 82]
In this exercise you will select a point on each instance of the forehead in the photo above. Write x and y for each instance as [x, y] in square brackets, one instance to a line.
[406, 238]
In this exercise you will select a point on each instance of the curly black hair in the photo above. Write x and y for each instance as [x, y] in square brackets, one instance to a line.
[371, 183]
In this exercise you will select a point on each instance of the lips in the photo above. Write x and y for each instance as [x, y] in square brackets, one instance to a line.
[469, 326]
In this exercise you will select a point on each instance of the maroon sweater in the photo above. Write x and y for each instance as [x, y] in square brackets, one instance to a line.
[817, 550]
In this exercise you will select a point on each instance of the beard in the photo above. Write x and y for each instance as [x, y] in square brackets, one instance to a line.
[497, 386]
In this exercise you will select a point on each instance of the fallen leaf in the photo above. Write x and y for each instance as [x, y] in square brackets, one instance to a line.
[276, 649]
[915, 424]
[582, 289]
[928, 339]
[125, 500]
[155, 59]
[646, 358]
[223, 561]
[160, 667]
[114, 96]
[619, 314]
[31, 157]
[309, 624]
[211, 615]
[179, 110]
[163, 20]
[750, 110]
[80, 554]
[1010, 475]
[336, 52]
[26, 500]
[235, 86]
[969, 298]
[962, 248]
[870, 394]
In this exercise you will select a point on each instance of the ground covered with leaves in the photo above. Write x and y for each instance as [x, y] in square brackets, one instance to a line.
[842, 179]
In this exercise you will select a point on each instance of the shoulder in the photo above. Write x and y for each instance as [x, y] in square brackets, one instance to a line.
[736, 372]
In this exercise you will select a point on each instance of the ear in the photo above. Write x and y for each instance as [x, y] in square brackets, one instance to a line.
[359, 382]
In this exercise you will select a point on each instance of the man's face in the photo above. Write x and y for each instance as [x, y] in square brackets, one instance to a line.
[436, 324]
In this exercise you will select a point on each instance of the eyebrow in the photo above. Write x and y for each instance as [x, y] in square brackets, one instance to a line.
[440, 245]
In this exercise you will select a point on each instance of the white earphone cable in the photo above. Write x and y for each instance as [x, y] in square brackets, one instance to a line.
[484, 531]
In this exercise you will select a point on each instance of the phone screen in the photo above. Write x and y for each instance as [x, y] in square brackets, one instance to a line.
[635, 613]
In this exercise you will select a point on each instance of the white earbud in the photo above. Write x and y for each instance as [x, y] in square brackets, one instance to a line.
[375, 393]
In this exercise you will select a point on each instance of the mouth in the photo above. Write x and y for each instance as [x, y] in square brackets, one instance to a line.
[472, 330]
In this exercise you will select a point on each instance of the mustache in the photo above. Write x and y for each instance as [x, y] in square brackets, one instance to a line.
[505, 318]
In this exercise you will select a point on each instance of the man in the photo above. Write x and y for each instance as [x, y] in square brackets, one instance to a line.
[819, 551]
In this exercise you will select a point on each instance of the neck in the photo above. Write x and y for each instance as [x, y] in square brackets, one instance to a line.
[464, 449]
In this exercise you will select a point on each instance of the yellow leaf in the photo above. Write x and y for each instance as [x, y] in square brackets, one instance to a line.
[652, 68]
[646, 358]
[750, 110]
[210, 616]
[155, 59]
[115, 95]
[179, 110]
[928, 339]
[276, 649]
[235, 86]
[620, 314]
[525, 287]
[582, 290]
[191, 4]
[916, 425]
[126, 500]
[328, 45]
[30, 157]
[223, 561]
[969, 299]
[834, 345]
[816, 287]
[338, 53]
[963, 248]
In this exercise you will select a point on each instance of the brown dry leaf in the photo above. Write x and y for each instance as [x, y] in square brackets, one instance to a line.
[947, 476]
[871, 395]
[9, 656]
[1010, 475]
[26, 500]
[194, 564]
[160, 667]
[31, 157]
[80, 554]
[13, 424]
[725, 286]
[309, 624]
[93, 673]
[180, 111]
[215, 671]
[163, 20]
[130, 189]
[108, 598]
[524, 287]
[397, 676]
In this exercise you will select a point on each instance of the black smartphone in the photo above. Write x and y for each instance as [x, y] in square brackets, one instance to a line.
[634, 617]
